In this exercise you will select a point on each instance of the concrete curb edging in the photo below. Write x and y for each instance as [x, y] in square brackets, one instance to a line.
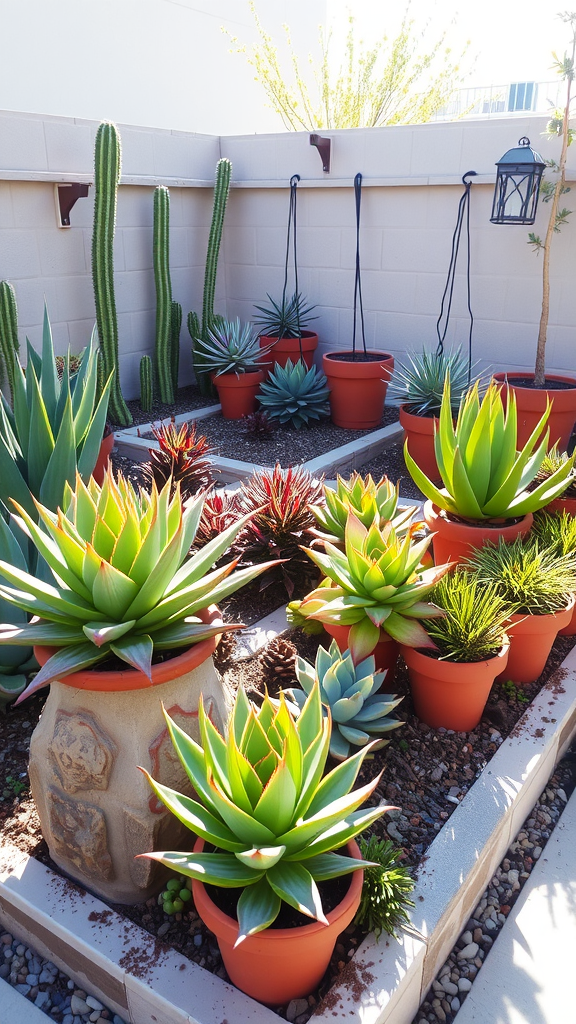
[123, 965]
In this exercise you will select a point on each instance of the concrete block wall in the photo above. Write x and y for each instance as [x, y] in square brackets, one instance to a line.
[412, 186]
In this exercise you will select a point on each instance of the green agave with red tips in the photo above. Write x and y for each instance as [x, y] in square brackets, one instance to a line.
[262, 799]
[123, 581]
[370, 501]
[377, 582]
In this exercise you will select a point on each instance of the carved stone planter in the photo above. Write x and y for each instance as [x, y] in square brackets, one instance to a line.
[96, 809]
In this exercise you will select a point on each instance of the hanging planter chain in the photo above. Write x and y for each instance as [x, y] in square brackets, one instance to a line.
[357, 278]
[292, 224]
[463, 211]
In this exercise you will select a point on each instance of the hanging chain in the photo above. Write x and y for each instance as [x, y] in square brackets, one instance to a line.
[357, 278]
[463, 213]
[292, 224]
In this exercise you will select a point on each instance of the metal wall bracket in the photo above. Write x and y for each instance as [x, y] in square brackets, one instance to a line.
[66, 194]
[323, 146]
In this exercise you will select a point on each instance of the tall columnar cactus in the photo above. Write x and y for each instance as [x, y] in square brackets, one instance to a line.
[221, 190]
[175, 328]
[8, 329]
[146, 383]
[106, 177]
[161, 254]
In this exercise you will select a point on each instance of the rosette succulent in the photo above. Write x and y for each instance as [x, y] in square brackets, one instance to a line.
[231, 347]
[419, 382]
[377, 582]
[369, 501]
[286, 319]
[350, 694]
[262, 799]
[295, 394]
[123, 581]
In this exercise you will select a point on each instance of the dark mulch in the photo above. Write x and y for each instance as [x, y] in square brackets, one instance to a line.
[188, 397]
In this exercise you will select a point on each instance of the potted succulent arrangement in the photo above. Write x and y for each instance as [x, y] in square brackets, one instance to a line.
[374, 591]
[486, 480]
[269, 825]
[285, 330]
[231, 353]
[419, 385]
[127, 622]
[450, 686]
[540, 583]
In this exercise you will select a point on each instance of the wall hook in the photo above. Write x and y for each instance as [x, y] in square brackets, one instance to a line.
[66, 195]
[323, 146]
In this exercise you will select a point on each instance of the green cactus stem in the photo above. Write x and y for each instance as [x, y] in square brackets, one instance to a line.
[146, 384]
[161, 257]
[175, 328]
[8, 330]
[106, 177]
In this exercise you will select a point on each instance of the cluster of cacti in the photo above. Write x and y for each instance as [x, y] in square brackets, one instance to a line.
[197, 330]
[106, 177]
[146, 388]
[294, 394]
[8, 330]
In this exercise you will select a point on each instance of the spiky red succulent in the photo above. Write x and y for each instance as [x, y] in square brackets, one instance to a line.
[221, 509]
[184, 455]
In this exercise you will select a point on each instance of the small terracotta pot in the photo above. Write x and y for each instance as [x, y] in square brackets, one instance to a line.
[449, 694]
[531, 405]
[237, 392]
[455, 541]
[278, 964]
[531, 640]
[103, 459]
[562, 504]
[570, 629]
[357, 389]
[289, 348]
[419, 432]
[385, 653]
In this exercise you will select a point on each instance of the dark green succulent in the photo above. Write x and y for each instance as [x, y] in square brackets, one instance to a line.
[294, 394]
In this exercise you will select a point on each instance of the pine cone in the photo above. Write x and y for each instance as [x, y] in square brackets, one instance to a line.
[278, 661]
[225, 649]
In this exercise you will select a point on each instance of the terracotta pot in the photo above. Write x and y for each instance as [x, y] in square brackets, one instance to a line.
[449, 694]
[419, 432]
[531, 404]
[237, 392]
[531, 639]
[562, 504]
[96, 809]
[455, 541]
[279, 964]
[570, 629]
[289, 348]
[103, 459]
[385, 653]
[357, 389]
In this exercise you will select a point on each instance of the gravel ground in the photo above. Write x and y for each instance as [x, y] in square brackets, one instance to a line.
[187, 398]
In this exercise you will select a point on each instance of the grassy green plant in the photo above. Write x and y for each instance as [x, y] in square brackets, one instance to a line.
[123, 583]
[286, 319]
[419, 382]
[295, 395]
[484, 475]
[376, 583]
[350, 695]
[385, 899]
[556, 530]
[261, 799]
[370, 502]
[231, 347]
[535, 579]
[474, 625]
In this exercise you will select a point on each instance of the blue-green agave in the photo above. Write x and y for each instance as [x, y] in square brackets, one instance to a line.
[295, 394]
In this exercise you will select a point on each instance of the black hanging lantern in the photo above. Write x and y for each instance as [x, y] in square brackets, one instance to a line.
[517, 185]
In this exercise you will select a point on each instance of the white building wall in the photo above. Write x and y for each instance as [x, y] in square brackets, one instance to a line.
[412, 179]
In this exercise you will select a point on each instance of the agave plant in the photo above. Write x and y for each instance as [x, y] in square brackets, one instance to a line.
[377, 582]
[263, 801]
[231, 347]
[183, 457]
[295, 394]
[371, 503]
[484, 476]
[286, 319]
[123, 582]
[419, 383]
[349, 694]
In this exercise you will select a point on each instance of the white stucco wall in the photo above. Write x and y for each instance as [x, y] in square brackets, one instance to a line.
[412, 179]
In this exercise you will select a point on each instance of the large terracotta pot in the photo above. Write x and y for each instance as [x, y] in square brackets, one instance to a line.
[103, 459]
[357, 389]
[456, 541]
[385, 653]
[279, 964]
[96, 809]
[289, 348]
[419, 433]
[531, 405]
[237, 392]
[531, 640]
[448, 694]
